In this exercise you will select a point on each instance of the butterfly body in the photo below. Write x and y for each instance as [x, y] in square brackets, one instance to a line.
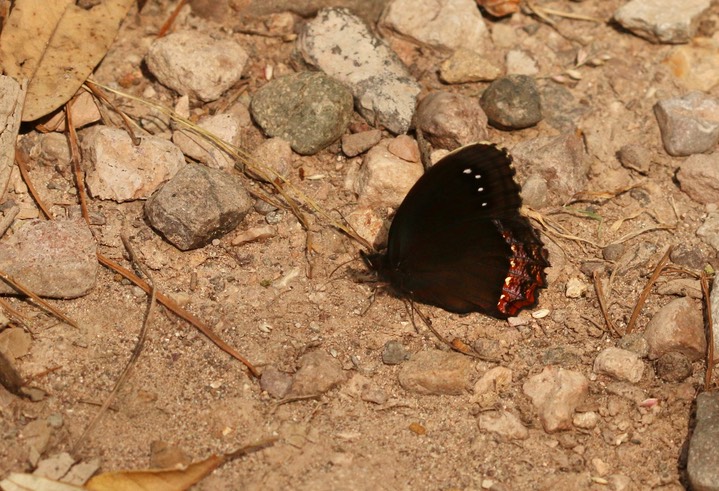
[459, 242]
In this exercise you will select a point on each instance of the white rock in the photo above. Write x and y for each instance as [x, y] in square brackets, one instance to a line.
[443, 24]
[196, 64]
[575, 288]
[556, 393]
[662, 21]
[340, 44]
[122, 171]
[619, 364]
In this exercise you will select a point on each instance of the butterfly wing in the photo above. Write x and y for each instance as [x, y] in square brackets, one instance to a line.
[458, 241]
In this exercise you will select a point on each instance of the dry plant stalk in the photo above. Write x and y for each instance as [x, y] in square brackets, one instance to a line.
[710, 362]
[20, 288]
[603, 303]
[647, 289]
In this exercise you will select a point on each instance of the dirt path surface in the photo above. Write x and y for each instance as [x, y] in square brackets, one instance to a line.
[368, 432]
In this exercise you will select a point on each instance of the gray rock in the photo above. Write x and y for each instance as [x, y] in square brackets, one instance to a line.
[556, 393]
[196, 64]
[688, 124]
[394, 353]
[465, 66]
[678, 326]
[709, 230]
[309, 109]
[662, 21]
[446, 25]
[698, 176]
[703, 459]
[357, 143]
[341, 45]
[319, 372]
[560, 160]
[673, 367]
[512, 102]
[449, 120]
[619, 364]
[276, 383]
[55, 259]
[436, 372]
[504, 424]
[122, 171]
[197, 205]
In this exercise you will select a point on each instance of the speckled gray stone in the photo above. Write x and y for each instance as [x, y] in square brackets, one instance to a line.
[309, 109]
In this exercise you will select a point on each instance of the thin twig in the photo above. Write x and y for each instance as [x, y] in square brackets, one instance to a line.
[710, 332]
[647, 289]
[180, 312]
[603, 303]
[75, 159]
[125, 374]
[163, 299]
[20, 288]
[21, 159]
[168, 23]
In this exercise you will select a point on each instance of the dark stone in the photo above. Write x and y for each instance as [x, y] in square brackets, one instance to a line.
[673, 367]
[197, 206]
[512, 102]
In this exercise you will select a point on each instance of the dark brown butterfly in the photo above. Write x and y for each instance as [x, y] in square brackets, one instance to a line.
[459, 242]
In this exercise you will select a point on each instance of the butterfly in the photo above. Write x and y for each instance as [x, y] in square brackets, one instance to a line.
[459, 242]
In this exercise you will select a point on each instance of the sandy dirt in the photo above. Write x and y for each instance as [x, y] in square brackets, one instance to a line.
[259, 298]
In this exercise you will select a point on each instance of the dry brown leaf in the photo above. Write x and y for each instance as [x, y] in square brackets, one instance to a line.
[29, 482]
[155, 479]
[56, 45]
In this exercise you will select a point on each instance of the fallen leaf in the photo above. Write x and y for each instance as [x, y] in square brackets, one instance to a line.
[56, 45]
[155, 479]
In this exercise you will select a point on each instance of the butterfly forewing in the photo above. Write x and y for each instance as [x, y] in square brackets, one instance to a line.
[458, 241]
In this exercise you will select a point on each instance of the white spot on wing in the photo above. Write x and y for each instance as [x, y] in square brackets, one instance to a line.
[467, 171]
